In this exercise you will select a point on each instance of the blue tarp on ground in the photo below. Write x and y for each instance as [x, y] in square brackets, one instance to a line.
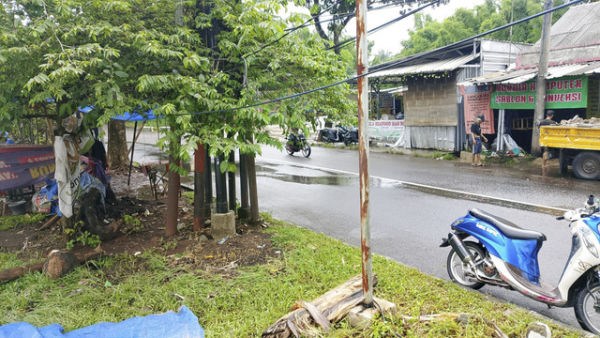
[170, 324]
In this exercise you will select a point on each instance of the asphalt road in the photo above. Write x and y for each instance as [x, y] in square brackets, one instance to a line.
[407, 225]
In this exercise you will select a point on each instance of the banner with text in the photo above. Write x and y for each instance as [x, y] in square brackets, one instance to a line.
[565, 92]
[476, 101]
[25, 165]
[386, 128]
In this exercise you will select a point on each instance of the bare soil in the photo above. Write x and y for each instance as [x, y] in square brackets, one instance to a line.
[249, 246]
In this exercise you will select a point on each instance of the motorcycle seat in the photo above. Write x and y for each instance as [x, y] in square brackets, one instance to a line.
[508, 228]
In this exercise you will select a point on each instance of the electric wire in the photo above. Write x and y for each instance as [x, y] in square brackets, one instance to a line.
[385, 66]
[291, 30]
[342, 15]
[371, 31]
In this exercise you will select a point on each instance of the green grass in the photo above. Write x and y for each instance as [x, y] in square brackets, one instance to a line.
[246, 303]
[10, 222]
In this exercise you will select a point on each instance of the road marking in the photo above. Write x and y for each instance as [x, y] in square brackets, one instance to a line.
[440, 191]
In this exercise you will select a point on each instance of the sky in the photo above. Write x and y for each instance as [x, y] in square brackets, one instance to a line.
[389, 38]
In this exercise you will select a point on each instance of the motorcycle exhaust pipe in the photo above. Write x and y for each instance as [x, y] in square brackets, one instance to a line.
[460, 248]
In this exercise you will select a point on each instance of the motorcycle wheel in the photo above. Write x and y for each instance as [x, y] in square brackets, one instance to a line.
[586, 307]
[456, 268]
[306, 150]
[289, 150]
[347, 141]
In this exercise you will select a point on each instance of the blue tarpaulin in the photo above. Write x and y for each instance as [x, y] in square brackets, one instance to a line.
[166, 325]
[127, 116]
[135, 116]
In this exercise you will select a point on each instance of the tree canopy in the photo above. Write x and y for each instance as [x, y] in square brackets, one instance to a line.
[429, 34]
[330, 17]
[126, 55]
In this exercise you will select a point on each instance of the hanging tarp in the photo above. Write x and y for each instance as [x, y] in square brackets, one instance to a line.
[167, 325]
[561, 93]
[25, 165]
[135, 116]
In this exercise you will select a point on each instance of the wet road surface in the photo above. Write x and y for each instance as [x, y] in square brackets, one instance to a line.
[406, 225]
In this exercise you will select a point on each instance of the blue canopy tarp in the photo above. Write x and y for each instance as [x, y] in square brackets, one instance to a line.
[166, 325]
[135, 116]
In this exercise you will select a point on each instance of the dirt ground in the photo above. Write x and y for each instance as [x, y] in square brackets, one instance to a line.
[249, 246]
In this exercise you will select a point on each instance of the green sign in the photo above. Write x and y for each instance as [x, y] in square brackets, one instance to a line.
[564, 92]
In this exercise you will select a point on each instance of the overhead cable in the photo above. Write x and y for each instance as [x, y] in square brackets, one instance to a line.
[371, 31]
[291, 30]
[388, 65]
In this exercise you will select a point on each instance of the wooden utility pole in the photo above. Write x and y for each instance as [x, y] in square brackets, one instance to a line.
[540, 86]
[362, 67]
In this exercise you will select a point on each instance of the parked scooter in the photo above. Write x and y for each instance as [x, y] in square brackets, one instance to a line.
[330, 135]
[297, 142]
[506, 255]
[349, 135]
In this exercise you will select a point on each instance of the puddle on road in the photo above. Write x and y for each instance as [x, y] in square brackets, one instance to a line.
[302, 175]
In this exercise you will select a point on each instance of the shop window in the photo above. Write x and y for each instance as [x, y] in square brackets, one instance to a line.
[522, 123]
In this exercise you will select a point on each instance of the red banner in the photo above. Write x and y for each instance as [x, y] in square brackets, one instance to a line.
[25, 165]
[477, 102]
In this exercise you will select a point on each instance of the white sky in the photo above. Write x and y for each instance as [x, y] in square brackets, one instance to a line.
[389, 37]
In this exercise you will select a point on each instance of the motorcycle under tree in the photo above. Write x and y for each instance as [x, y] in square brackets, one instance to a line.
[505, 255]
[297, 142]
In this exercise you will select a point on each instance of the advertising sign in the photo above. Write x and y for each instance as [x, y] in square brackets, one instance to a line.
[477, 102]
[564, 92]
[385, 128]
[25, 165]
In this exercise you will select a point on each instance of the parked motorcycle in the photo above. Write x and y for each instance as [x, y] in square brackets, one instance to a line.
[505, 255]
[330, 135]
[349, 135]
[297, 143]
[339, 134]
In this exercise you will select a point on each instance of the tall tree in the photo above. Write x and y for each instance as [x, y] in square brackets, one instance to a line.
[429, 34]
[331, 16]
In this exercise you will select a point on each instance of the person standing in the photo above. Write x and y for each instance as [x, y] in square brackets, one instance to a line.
[548, 121]
[477, 137]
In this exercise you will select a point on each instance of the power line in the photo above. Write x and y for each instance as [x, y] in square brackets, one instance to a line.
[371, 31]
[389, 65]
[342, 15]
[291, 30]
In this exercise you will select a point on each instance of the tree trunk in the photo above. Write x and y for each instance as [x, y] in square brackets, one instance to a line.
[199, 188]
[251, 167]
[117, 145]
[172, 195]
[244, 211]
[231, 184]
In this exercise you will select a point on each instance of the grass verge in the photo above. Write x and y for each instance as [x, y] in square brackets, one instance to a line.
[246, 302]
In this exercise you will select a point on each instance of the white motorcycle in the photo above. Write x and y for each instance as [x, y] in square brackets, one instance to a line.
[506, 255]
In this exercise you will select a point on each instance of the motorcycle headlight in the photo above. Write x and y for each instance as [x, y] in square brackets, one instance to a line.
[589, 239]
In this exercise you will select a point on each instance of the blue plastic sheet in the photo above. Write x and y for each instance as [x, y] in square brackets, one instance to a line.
[181, 324]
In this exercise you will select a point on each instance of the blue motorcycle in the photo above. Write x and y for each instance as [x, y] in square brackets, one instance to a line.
[503, 254]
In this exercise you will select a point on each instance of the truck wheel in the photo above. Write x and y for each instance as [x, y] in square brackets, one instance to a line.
[586, 165]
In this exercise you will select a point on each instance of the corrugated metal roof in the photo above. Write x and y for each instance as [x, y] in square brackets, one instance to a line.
[430, 67]
[523, 75]
[577, 27]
